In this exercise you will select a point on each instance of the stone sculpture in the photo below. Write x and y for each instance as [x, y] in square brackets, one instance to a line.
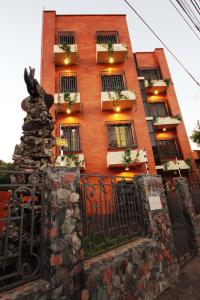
[35, 150]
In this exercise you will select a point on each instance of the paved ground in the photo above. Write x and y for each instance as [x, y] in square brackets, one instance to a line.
[188, 287]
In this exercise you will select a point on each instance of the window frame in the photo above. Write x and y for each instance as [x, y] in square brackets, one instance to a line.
[79, 137]
[159, 102]
[64, 32]
[106, 32]
[160, 76]
[179, 151]
[70, 74]
[132, 131]
[116, 72]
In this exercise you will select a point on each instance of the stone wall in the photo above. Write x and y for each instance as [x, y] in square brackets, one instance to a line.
[181, 185]
[143, 268]
[62, 233]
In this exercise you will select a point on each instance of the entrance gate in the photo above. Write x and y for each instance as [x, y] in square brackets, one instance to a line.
[182, 228]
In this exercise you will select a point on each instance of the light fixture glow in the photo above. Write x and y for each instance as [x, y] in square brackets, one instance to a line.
[68, 111]
[66, 61]
[156, 92]
[111, 60]
[127, 168]
[164, 129]
[117, 109]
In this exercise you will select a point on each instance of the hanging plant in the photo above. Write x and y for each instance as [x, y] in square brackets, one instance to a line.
[167, 81]
[126, 158]
[177, 117]
[188, 161]
[75, 159]
[150, 82]
[66, 48]
[68, 99]
[110, 47]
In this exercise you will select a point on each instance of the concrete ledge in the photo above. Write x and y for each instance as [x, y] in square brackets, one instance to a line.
[35, 290]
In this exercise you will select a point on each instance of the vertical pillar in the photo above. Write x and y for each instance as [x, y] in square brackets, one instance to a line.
[158, 226]
[181, 185]
[62, 231]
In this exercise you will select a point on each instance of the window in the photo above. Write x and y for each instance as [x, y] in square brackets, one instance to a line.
[68, 84]
[150, 74]
[104, 37]
[168, 149]
[66, 37]
[113, 82]
[157, 109]
[120, 135]
[72, 135]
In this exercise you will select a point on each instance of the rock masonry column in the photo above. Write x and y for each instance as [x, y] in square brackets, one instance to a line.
[62, 231]
[181, 185]
[158, 227]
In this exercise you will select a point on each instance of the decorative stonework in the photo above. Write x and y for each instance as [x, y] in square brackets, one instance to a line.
[141, 269]
[181, 184]
[62, 233]
[34, 152]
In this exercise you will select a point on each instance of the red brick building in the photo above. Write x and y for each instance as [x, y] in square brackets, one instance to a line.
[107, 99]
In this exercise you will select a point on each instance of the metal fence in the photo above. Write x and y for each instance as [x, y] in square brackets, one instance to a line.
[194, 187]
[112, 212]
[20, 228]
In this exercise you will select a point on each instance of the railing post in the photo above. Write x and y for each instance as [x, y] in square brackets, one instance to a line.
[62, 233]
[181, 184]
[157, 222]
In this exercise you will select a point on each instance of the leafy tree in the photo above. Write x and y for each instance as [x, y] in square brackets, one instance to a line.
[5, 177]
[195, 137]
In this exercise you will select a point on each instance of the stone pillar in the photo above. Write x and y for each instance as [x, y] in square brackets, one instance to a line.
[62, 231]
[157, 225]
[181, 185]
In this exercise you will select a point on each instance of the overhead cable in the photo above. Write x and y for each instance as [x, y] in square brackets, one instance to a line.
[180, 63]
[184, 19]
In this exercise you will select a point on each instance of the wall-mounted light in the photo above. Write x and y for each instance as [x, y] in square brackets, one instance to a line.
[111, 60]
[117, 109]
[66, 61]
[127, 168]
[164, 129]
[68, 111]
[156, 92]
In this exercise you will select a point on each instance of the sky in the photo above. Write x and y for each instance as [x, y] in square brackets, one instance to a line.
[20, 32]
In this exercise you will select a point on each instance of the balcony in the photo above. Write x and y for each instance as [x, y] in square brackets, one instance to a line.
[70, 162]
[117, 54]
[70, 104]
[114, 158]
[117, 100]
[166, 122]
[156, 87]
[63, 58]
[173, 165]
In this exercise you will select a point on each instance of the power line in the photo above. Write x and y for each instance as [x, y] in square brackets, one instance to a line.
[185, 69]
[183, 8]
[184, 19]
[190, 11]
[195, 5]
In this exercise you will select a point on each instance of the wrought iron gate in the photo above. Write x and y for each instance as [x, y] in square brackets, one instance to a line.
[20, 228]
[181, 224]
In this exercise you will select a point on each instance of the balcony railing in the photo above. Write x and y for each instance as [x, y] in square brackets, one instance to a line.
[168, 122]
[156, 87]
[115, 158]
[117, 100]
[71, 103]
[116, 53]
[71, 161]
[63, 58]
